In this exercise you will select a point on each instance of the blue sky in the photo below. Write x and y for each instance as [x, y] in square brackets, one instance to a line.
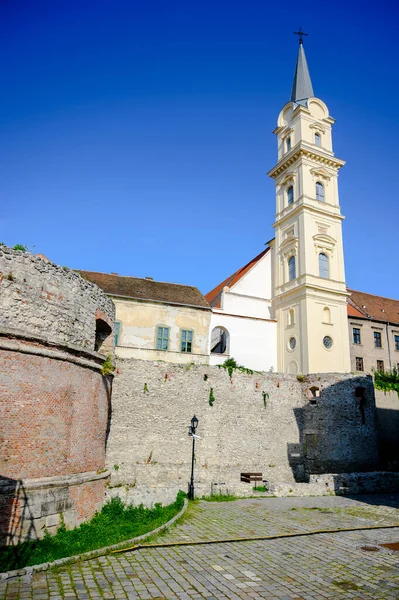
[135, 136]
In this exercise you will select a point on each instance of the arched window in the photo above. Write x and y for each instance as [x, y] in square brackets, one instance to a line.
[291, 317]
[220, 341]
[326, 315]
[290, 195]
[323, 266]
[293, 368]
[288, 144]
[319, 191]
[291, 268]
[317, 139]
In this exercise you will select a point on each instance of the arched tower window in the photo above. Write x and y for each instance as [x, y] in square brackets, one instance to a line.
[317, 139]
[291, 268]
[326, 315]
[319, 191]
[323, 266]
[290, 195]
[220, 341]
[288, 143]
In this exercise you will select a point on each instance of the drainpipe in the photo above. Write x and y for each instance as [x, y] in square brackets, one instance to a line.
[389, 348]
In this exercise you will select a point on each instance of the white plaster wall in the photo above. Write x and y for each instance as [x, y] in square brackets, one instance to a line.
[257, 282]
[246, 306]
[253, 342]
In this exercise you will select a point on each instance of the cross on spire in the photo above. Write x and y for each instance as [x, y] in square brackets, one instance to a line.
[301, 34]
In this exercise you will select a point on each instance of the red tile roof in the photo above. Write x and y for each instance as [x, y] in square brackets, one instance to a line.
[214, 296]
[373, 307]
[147, 289]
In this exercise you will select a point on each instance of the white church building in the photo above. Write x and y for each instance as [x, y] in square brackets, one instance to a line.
[286, 310]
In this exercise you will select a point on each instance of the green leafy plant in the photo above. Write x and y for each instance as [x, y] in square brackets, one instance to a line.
[265, 396]
[145, 389]
[114, 523]
[108, 367]
[300, 377]
[387, 381]
[21, 247]
[211, 397]
[10, 277]
[116, 467]
[231, 365]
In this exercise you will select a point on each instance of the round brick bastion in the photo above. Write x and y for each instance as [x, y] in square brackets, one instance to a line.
[55, 331]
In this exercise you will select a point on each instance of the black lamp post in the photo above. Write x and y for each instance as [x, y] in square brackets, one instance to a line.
[191, 431]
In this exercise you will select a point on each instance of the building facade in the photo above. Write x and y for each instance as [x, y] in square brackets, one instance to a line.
[373, 332]
[157, 320]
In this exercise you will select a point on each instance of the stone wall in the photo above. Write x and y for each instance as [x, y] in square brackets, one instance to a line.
[43, 299]
[54, 399]
[264, 422]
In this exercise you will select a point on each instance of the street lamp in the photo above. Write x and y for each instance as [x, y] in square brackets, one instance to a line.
[191, 431]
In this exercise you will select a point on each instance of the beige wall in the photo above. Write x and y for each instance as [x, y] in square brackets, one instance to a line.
[139, 321]
[367, 350]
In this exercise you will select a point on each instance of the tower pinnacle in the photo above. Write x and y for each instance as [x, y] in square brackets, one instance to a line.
[302, 88]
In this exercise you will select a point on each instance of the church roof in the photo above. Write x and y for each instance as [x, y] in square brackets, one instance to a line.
[214, 297]
[302, 87]
[147, 289]
[373, 307]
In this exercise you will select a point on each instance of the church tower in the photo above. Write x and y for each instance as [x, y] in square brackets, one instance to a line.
[309, 291]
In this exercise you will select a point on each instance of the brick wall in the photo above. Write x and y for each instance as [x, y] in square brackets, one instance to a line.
[53, 415]
[298, 432]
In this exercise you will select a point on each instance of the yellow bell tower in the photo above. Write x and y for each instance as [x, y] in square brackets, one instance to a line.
[309, 289]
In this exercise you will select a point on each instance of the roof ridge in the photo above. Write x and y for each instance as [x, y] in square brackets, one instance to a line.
[374, 295]
[134, 277]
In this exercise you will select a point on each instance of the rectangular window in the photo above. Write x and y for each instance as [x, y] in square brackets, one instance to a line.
[162, 338]
[396, 341]
[359, 364]
[377, 339]
[186, 340]
[356, 335]
[380, 365]
[117, 332]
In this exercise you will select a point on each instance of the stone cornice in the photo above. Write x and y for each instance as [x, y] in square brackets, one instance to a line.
[303, 150]
[302, 288]
[304, 207]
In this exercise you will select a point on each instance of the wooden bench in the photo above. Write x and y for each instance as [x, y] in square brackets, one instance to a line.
[251, 477]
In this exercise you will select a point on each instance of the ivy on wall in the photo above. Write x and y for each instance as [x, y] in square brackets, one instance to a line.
[387, 381]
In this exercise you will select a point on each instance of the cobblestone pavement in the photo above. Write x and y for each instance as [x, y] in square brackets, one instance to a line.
[314, 567]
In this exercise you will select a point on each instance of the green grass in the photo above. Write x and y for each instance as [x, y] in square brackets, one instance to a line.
[220, 498]
[261, 488]
[115, 523]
